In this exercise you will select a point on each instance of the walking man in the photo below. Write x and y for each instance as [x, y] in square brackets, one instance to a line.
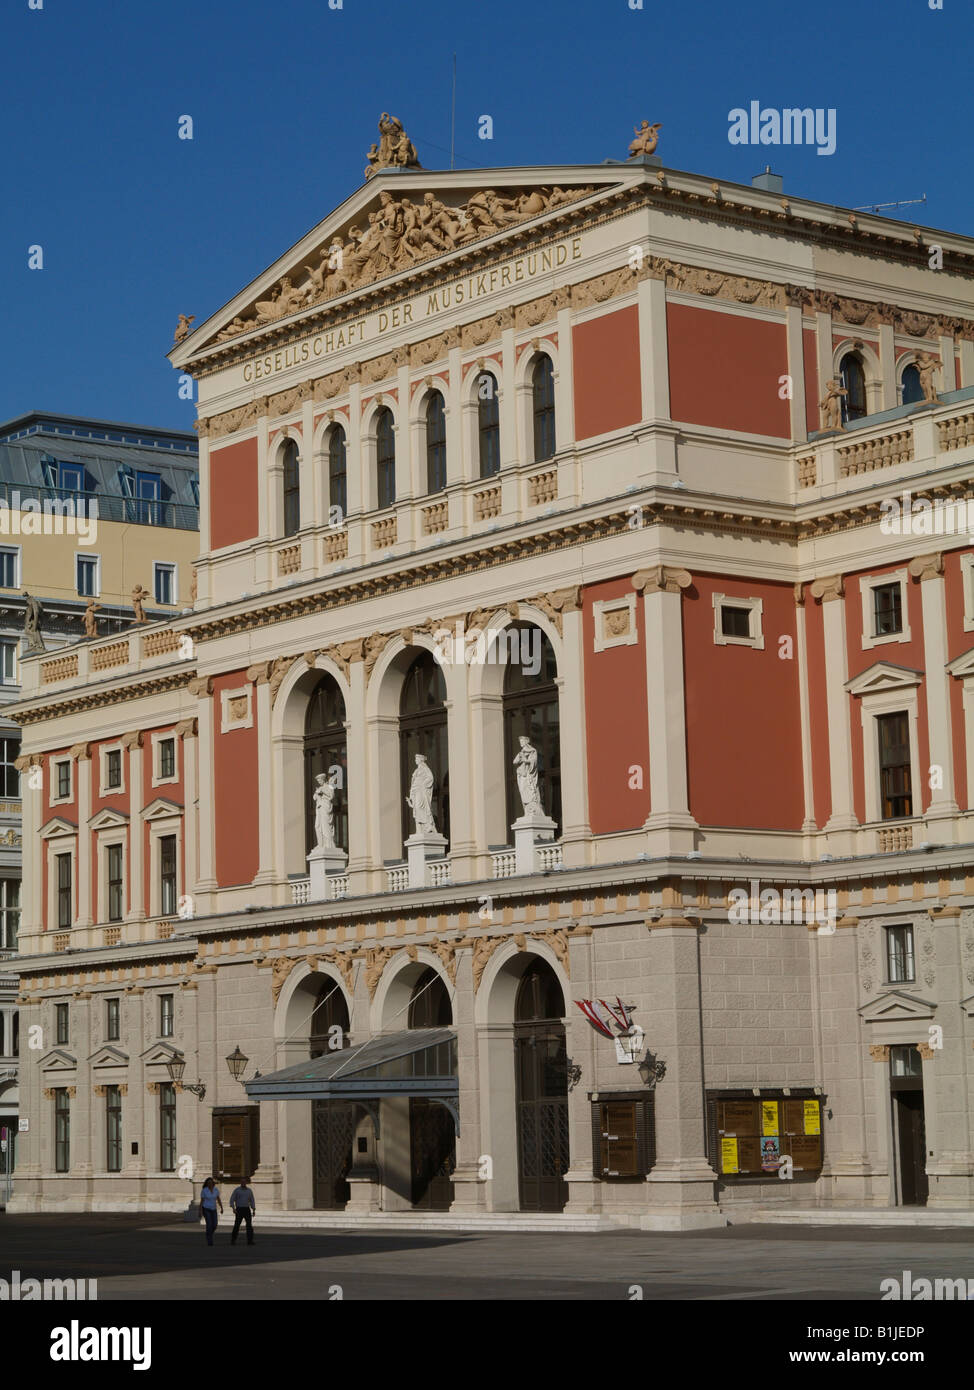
[243, 1206]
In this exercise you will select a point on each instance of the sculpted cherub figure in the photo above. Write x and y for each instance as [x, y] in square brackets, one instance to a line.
[182, 327]
[926, 365]
[646, 140]
[831, 406]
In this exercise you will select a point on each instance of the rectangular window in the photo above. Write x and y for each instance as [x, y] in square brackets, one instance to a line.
[71, 477]
[899, 954]
[735, 622]
[114, 877]
[167, 1126]
[148, 489]
[113, 768]
[87, 576]
[166, 1015]
[165, 583]
[167, 874]
[62, 1130]
[8, 663]
[9, 776]
[63, 770]
[9, 913]
[896, 792]
[64, 904]
[113, 1124]
[111, 1020]
[623, 1137]
[887, 609]
[167, 757]
[9, 567]
[61, 1023]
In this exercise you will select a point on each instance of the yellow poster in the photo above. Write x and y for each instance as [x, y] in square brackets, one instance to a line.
[728, 1156]
[813, 1117]
[769, 1117]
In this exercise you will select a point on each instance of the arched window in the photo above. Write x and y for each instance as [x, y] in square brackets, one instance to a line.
[325, 749]
[488, 425]
[541, 1089]
[912, 390]
[385, 440]
[292, 489]
[435, 443]
[531, 709]
[328, 1011]
[337, 470]
[429, 1006]
[539, 995]
[854, 380]
[543, 405]
[423, 729]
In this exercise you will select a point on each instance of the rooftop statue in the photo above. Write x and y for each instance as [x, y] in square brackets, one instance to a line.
[394, 150]
[646, 139]
[182, 328]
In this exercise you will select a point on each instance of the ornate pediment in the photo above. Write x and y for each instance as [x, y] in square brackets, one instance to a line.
[58, 825]
[58, 1060]
[895, 1006]
[161, 809]
[963, 665]
[108, 819]
[109, 1056]
[394, 224]
[160, 1053]
[881, 676]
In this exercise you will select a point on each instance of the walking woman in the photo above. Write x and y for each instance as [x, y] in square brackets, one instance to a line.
[209, 1201]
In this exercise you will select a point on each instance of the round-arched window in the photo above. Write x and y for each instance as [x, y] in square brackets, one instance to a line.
[324, 750]
[488, 425]
[435, 443]
[912, 390]
[429, 1006]
[853, 378]
[543, 407]
[423, 729]
[531, 710]
[385, 450]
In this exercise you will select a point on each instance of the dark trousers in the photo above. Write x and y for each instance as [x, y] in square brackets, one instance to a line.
[243, 1214]
[209, 1216]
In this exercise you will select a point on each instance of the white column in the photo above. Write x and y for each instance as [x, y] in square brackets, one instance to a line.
[186, 730]
[887, 365]
[259, 675]
[136, 877]
[929, 569]
[801, 641]
[831, 592]
[948, 365]
[30, 768]
[312, 512]
[356, 485]
[966, 363]
[654, 369]
[796, 370]
[359, 857]
[576, 833]
[823, 351]
[81, 753]
[670, 826]
[462, 791]
[203, 571]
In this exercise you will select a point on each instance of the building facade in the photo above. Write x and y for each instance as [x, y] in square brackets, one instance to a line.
[77, 499]
[535, 469]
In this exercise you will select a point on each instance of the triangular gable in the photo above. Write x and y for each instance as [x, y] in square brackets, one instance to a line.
[962, 665]
[107, 820]
[161, 808]
[895, 1006]
[883, 675]
[469, 208]
[160, 1053]
[58, 1060]
[968, 1005]
[58, 825]
[109, 1056]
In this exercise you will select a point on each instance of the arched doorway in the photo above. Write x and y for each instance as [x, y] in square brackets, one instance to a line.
[423, 729]
[325, 748]
[541, 1081]
[432, 1140]
[332, 1121]
[531, 709]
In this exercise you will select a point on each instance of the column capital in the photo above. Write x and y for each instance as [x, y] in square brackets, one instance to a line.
[259, 674]
[132, 740]
[80, 752]
[830, 587]
[879, 1052]
[661, 579]
[186, 728]
[200, 686]
[927, 566]
[674, 920]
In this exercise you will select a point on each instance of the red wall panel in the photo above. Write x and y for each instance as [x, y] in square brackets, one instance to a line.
[233, 494]
[605, 357]
[235, 794]
[616, 728]
[725, 370]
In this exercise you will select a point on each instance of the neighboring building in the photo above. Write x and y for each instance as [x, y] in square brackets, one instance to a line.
[577, 408]
[75, 498]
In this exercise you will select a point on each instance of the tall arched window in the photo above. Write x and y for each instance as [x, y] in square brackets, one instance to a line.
[435, 443]
[854, 380]
[423, 729]
[488, 425]
[325, 749]
[292, 489]
[541, 1088]
[531, 708]
[543, 405]
[332, 1122]
[385, 442]
[912, 390]
[337, 470]
[429, 1006]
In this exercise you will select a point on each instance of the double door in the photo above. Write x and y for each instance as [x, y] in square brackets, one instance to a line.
[541, 1068]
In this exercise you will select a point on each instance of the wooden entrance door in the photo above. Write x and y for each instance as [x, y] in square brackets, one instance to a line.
[235, 1144]
[541, 1063]
[333, 1128]
[433, 1154]
[912, 1147]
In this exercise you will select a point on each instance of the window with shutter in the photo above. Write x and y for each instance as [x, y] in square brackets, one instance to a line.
[623, 1136]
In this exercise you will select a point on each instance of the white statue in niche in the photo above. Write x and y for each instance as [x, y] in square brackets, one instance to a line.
[420, 798]
[526, 767]
[324, 799]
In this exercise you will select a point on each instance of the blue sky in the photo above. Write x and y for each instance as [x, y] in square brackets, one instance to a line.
[137, 225]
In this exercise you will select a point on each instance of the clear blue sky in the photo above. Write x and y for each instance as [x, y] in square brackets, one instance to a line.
[137, 225]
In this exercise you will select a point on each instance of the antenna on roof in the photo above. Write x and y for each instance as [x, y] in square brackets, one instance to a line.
[453, 109]
[905, 202]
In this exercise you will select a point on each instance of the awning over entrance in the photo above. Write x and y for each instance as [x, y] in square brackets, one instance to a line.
[420, 1062]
